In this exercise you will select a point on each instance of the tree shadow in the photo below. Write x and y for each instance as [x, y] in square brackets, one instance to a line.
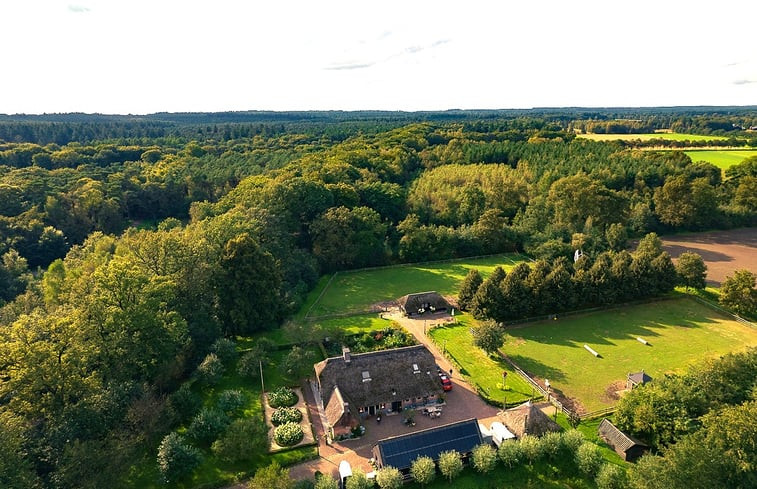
[537, 369]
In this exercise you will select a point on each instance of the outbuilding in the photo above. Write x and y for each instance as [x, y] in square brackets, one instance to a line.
[628, 447]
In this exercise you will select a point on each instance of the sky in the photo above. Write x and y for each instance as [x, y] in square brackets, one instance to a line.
[140, 56]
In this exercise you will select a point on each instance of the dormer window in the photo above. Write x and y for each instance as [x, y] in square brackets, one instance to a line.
[416, 370]
[366, 376]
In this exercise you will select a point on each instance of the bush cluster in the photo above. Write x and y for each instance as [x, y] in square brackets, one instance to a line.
[288, 434]
[282, 397]
[286, 415]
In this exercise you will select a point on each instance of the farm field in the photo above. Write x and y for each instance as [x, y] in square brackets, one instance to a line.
[679, 332]
[722, 251]
[721, 159]
[645, 137]
[480, 370]
[356, 292]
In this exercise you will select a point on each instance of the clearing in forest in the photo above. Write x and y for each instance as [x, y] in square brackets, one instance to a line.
[680, 332]
[723, 159]
[673, 136]
[353, 292]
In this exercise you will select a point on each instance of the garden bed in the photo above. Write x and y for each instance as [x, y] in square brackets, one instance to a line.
[307, 427]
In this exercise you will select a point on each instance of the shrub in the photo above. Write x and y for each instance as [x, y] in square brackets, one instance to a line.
[510, 453]
[243, 439]
[484, 458]
[249, 364]
[323, 481]
[423, 470]
[450, 464]
[588, 459]
[389, 478]
[288, 434]
[286, 415]
[208, 425]
[225, 349]
[282, 397]
[531, 448]
[231, 401]
[210, 370]
[358, 480]
[176, 458]
[185, 402]
[551, 445]
[572, 439]
[611, 476]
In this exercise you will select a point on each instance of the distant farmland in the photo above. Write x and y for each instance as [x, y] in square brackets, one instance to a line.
[674, 136]
[721, 159]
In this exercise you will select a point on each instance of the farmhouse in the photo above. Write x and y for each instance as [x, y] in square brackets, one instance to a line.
[352, 387]
[527, 419]
[628, 447]
[401, 451]
[421, 303]
[637, 378]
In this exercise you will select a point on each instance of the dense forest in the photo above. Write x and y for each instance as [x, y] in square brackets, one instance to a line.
[130, 245]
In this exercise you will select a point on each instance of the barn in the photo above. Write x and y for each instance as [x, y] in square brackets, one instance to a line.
[628, 447]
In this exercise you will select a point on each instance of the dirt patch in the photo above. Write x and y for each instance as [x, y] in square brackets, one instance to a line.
[722, 251]
[613, 392]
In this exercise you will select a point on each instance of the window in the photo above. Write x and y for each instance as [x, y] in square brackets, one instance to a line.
[416, 370]
[366, 376]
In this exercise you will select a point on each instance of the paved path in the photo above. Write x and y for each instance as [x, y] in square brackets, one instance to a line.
[462, 403]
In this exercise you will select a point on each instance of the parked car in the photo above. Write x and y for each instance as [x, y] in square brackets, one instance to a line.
[446, 383]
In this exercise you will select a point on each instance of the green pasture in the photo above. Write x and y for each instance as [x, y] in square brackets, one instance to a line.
[479, 369]
[721, 159]
[349, 325]
[355, 292]
[680, 332]
[673, 136]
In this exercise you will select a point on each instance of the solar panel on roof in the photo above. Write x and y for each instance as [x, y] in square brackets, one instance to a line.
[401, 451]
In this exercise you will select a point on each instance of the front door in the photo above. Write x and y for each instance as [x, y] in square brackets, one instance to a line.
[371, 410]
[397, 406]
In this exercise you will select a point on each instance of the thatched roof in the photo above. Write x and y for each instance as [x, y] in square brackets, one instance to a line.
[335, 408]
[527, 419]
[639, 378]
[385, 376]
[412, 303]
[616, 438]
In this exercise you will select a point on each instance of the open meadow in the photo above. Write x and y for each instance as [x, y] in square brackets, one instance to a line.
[680, 332]
[356, 292]
[723, 159]
[673, 136]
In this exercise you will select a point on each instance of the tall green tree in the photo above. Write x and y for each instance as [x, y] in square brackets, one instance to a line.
[691, 270]
[423, 470]
[468, 289]
[489, 335]
[450, 464]
[739, 292]
[249, 287]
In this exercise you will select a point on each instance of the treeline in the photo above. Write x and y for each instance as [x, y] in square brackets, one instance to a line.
[546, 288]
[701, 424]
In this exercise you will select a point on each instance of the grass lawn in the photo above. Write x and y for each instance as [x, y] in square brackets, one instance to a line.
[645, 137]
[721, 159]
[355, 292]
[679, 331]
[363, 323]
[480, 369]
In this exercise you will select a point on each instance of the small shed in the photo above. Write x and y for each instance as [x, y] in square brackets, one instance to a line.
[422, 303]
[401, 451]
[637, 378]
[628, 447]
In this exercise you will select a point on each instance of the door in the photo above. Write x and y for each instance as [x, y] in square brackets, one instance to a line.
[397, 406]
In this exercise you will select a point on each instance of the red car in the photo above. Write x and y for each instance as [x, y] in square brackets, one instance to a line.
[446, 383]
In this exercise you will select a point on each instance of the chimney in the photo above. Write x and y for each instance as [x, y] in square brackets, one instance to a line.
[346, 354]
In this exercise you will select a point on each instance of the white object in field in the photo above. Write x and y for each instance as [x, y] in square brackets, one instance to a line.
[591, 350]
[641, 340]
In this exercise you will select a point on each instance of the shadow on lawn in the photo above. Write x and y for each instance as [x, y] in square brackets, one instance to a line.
[605, 328]
[535, 368]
